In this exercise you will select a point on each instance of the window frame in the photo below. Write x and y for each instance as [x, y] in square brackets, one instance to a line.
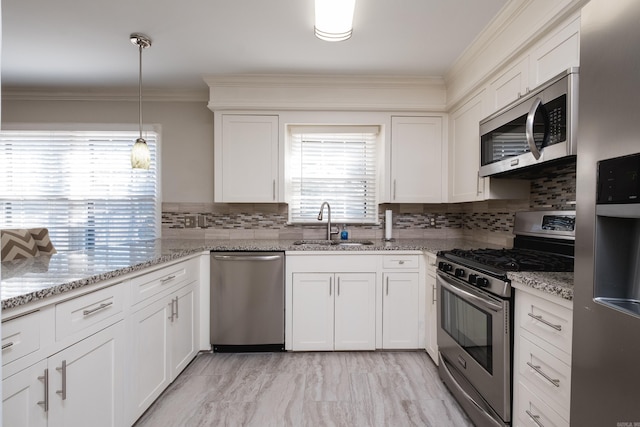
[106, 127]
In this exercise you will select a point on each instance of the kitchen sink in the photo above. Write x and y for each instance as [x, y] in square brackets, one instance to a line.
[333, 242]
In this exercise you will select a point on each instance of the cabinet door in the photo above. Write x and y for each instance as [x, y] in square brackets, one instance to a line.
[431, 321]
[557, 53]
[183, 331]
[246, 159]
[149, 374]
[416, 159]
[400, 318]
[464, 154]
[23, 396]
[355, 311]
[313, 311]
[509, 86]
[88, 390]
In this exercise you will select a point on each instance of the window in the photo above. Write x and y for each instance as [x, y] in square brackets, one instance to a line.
[80, 185]
[336, 164]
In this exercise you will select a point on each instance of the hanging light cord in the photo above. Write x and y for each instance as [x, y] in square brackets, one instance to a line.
[140, 88]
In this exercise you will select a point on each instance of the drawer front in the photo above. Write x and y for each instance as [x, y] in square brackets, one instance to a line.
[546, 374]
[80, 313]
[400, 261]
[20, 336]
[551, 322]
[155, 282]
[531, 408]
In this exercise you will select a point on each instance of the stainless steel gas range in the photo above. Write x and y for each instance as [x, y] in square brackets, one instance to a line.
[475, 319]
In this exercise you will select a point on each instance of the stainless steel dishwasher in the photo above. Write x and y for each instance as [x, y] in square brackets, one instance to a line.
[247, 301]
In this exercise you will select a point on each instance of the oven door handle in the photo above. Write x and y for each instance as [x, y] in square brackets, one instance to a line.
[463, 293]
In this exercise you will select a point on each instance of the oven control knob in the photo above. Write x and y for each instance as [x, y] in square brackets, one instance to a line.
[444, 266]
[472, 278]
[459, 272]
[482, 282]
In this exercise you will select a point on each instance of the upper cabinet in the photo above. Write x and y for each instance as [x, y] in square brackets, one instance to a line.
[555, 53]
[509, 85]
[417, 149]
[246, 159]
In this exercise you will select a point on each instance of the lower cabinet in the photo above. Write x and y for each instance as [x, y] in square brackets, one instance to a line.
[334, 311]
[78, 386]
[163, 341]
[431, 311]
[400, 304]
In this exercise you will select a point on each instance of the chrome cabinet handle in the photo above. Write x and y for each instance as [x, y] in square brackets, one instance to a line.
[394, 189]
[534, 418]
[166, 279]
[387, 292]
[172, 312]
[63, 369]
[177, 317]
[555, 382]
[330, 280]
[546, 322]
[7, 345]
[274, 189]
[478, 179]
[338, 286]
[45, 403]
[433, 295]
[528, 128]
[98, 308]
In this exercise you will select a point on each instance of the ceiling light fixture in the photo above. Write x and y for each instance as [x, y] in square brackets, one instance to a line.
[140, 155]
[334, 19]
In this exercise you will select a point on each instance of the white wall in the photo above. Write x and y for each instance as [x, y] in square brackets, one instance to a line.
[187, 136]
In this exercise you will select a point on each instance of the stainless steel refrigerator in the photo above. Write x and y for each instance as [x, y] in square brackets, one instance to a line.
[605, 382]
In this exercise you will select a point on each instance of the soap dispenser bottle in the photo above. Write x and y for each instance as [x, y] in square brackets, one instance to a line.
[344, 234]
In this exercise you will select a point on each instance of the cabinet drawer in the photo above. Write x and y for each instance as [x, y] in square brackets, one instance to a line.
[532, 407]
[80, 313]
[155, 282]
[20, 336]
[546, 374]
[551, 322]
[400, 261]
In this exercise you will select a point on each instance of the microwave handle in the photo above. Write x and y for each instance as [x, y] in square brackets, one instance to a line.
[529, 128]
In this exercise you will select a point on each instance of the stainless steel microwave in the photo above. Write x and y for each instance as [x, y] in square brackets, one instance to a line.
[536, 128]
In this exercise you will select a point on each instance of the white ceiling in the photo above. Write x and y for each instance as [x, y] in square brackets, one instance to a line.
[85, 43]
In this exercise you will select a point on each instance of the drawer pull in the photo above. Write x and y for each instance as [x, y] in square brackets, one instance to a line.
[546, 377]
[63, 370]
[7, 345]
[166, 279]
[98, 308]
[534, 418]
[45, 403]
[387, 286]
[401, 262]
[546, 322]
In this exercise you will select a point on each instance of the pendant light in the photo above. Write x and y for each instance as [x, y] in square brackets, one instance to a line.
[140, 155]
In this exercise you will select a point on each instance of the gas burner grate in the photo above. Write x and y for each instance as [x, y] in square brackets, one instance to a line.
[517, 259]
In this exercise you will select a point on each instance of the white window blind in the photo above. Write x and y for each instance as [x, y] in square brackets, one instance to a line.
[80, 185]
[336, 165]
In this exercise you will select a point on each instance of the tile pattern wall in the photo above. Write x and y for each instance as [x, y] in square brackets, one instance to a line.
[553, 187]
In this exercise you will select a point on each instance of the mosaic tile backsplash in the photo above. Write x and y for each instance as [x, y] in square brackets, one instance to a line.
[553, 187]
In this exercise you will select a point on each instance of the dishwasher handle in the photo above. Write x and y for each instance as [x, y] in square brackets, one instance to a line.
[246, 257]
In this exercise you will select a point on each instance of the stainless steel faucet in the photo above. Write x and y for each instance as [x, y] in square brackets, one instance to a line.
[329, 232]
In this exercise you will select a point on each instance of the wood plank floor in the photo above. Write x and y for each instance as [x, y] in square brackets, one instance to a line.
[307, 389]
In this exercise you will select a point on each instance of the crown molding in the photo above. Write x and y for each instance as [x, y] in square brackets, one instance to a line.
[326, 92]
[102, 94]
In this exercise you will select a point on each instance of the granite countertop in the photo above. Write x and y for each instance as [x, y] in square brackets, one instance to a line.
[554, 283]
[24, 281]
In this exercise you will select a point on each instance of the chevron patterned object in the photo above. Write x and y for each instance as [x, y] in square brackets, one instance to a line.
[41, 236]
[16, 244]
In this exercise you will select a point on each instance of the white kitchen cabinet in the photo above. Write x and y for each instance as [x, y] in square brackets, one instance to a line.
[542, 358]
[333, 311]
[400, 310]
[417, 150]
[78, 386]
[555, 53]
[163, 338]
[509, 85]
[431, 308]
[246, 159]
[465, 183]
